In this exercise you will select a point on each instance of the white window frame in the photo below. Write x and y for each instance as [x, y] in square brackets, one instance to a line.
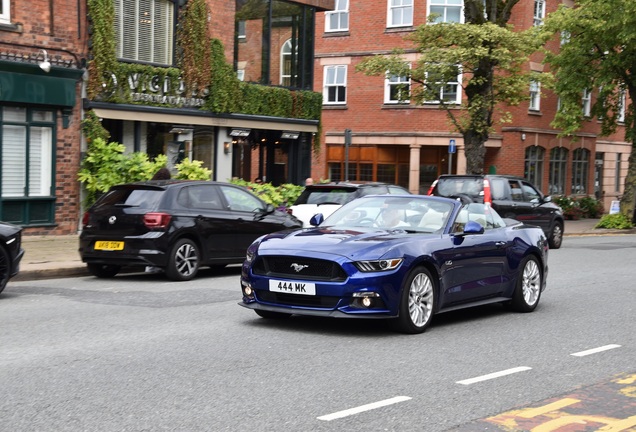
[446, 5]
[399, 6]
[5, 13]
[339, 80]
[458, 96]
[535, 96]
[340, 14]
[539, 12]
[240, 74]
[241, 30]
[395, 80]
[586, 102]
[621, 108]
[143, 44]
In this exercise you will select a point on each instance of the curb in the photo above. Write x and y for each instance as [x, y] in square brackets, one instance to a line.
[29, 275]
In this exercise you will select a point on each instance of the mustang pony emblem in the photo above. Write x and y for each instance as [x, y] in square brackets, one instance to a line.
[298, 267]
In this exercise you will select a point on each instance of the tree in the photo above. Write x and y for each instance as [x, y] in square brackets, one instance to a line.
[598, 51]
[492, 58]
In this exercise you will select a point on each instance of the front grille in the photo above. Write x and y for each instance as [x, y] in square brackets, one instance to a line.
[297, 300]
[291, 267]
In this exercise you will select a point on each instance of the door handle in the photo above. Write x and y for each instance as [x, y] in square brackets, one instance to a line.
[500, 244]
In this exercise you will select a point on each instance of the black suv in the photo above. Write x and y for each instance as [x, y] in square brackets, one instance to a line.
[512, 197]
[176, 226]
[326, 198]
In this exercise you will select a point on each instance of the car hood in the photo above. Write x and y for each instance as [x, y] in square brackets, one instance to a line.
[326, 242]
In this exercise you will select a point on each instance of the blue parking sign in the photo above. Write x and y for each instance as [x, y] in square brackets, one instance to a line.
[452, 148]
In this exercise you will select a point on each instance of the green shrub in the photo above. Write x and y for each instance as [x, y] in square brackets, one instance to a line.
[281, 196]
[575, 208]
[615, 221]
[192, 170]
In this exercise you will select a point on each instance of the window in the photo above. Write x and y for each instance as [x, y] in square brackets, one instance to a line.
[5, 11]
[286, 64]
[448, 92]
[558, 171]
[400, 13]
[397, 89]
[448, 11]
[144, 30]
[539, 12]
[617, 173]
[335, 85]
[27, 165]
[338, 19]
[535, 96]
[534, 165]
[335, 172]
[620, 117]
[241, 31]
[240, 74]
[587, 102]
[580, 163]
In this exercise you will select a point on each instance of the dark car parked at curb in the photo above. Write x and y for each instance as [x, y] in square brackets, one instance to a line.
[512, 197]
[11, 252]
[175, 225]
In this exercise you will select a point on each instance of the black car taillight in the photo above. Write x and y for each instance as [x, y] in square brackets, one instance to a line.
[157, 220]
[85, 218]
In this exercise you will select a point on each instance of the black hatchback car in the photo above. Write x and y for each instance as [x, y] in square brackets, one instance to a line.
[175, 225]
[512, 197]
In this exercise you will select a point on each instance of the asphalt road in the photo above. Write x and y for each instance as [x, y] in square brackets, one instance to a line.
[140, 353]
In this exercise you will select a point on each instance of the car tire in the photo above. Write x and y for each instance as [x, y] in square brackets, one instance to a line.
[528, 287]
[556, 236]
[5, 268]
[184, 260]
[417, 302]
[103, 271]
[271, 315]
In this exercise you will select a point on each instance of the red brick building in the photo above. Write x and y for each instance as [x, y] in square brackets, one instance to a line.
[408, 144]
[46, 48]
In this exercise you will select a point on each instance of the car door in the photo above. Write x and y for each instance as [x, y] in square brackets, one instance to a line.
[250, 217]
[213, 221]
[475, 263]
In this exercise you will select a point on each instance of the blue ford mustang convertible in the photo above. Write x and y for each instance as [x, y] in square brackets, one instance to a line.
[401, 258]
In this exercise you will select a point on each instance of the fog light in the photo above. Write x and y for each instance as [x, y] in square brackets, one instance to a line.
[247, 289]
[366, 301]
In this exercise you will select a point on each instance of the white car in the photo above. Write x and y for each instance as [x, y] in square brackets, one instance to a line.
[326, 198]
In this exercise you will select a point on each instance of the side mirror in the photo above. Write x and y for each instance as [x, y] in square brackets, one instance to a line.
[473, 227]
[316, 219]
[270, 209]
[547, 198]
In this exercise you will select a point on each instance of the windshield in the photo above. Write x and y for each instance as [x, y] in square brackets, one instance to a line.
[386, 212]
[455, 186]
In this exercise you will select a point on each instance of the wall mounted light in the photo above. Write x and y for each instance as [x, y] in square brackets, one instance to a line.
[523, 137]
[45, 64]
[241, 133]
[227, 147]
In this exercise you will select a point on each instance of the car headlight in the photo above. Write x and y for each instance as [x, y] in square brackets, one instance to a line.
[251, 252]
[378, 265]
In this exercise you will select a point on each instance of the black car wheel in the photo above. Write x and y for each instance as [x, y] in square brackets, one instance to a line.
[103, 271]
[556, 236]
[5, 268]
[417, 303]
[528, 290]
[271, 315]
[184, 261]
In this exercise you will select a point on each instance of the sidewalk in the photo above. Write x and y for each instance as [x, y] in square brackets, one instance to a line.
[47, 257]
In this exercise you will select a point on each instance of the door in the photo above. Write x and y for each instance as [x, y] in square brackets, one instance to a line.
[475, 264]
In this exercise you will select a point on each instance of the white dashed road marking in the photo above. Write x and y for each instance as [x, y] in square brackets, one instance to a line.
[368, 407]
[494, 375]
[595, 350]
